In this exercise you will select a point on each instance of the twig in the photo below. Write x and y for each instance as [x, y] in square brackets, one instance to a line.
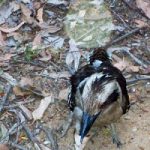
[135, 58]
[19, 103]
[135, 9]
[124, 36]
[15, 145]
[127, 50]
[138, 78]
[28, 62]
[11, 130]
[4, 99]
[51, 136]
[31, 137]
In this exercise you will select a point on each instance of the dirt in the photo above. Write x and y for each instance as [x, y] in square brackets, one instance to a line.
[133, 128]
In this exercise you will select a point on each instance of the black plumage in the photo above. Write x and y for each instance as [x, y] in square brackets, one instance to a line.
[97, 89]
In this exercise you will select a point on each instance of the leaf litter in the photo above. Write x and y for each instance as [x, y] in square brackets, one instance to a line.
[38, 51]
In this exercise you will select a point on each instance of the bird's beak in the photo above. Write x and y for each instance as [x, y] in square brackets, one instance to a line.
[86, 124]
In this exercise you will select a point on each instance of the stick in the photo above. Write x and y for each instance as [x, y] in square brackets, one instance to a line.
[4, 99]
[51, 136]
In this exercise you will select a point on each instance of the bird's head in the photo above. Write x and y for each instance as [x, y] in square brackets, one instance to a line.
[86, 124]
[99, 56]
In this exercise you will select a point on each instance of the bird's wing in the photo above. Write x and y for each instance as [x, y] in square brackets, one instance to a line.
[75, 80]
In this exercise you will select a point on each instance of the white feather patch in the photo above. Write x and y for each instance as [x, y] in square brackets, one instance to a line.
[107, 91]
[89, 82]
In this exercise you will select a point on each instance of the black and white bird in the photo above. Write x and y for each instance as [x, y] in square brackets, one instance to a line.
[98, 96]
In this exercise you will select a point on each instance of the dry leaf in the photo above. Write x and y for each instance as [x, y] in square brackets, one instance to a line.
[121, 65]
[4, 131]
[64, 74]
[37, 41]
[27, 13]
[44, 147]
[26, 111]
[73, 57]
[141, 23]
[3, 147]
[38, 113]
[25, 1]
[8, 30]
[46, 55]
[26, 82]
[6, 57]
[145, 6]
[18, 91]
[40, 15]
[63, 94]
[2, 42]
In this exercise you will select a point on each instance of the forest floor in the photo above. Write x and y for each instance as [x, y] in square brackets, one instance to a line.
[34, 76]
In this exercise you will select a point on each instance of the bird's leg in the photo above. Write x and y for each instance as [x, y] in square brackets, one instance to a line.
[114, 134]
[67, 124]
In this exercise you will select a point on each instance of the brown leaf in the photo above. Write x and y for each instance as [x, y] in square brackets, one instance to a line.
[40, 15]
[2, 42]
[19, 92]
[37, 41]
[141, 23]
[38, 113]
[26, 82]
[27, 13]
[45, 56]
[3, 147]
[145, 6]
[6, 57]
[126, 65]
[63, 94]
[8, 30]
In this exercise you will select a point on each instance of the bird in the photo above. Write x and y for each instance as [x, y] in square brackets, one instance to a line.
[98, 96]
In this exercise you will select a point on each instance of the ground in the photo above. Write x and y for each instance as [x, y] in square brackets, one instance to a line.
[35, 52]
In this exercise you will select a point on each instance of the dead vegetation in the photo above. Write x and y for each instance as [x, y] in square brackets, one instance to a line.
[35, 53]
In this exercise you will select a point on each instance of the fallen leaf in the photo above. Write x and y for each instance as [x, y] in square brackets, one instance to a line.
[8, 30]
[26, 82]
[63, 94]
[18, 91]
[40, 15]
[121, 65]
[145, 6]
[37, 41]
[17, 36]
[10, 7]
[44, 147]
[38, 113]
[45, 56]
[141, 23]
[6, 57]
[25, 1]
[4, 131]
[63, 74]
[56, 2]
[2, 42]
[3, 147]
[73, 57]
[26, 111]
[26, 13]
